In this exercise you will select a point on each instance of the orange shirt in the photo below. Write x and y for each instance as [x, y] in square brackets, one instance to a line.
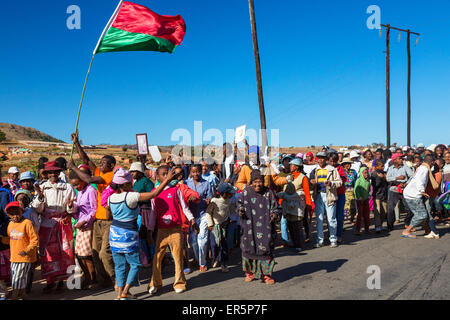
[108, 177]
[22, 237]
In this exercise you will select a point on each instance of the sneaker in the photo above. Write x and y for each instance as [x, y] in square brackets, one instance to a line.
[224, 269]
[378, 229]
[298, 250]
[432, 235]
[180, 290]
[152, 290]
[333, 245]
[187, 271]
[203, 268]
[318, 245]
[215, 264]
[339, 240]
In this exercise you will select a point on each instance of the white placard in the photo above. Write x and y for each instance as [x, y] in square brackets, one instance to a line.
[240, 133]
[142, 144]
[154, 152]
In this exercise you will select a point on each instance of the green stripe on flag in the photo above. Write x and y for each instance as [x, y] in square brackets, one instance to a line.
[120, 40]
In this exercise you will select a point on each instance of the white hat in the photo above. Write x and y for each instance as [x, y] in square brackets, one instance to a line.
[405, 148]
[420, 145]
[137, 166]
[354, 154]
[432, 147]
[13, 170]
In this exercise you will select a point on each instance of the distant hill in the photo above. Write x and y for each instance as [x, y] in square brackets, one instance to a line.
[16, 132]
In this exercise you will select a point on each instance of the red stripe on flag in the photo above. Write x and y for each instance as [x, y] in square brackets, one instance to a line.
[139, 19]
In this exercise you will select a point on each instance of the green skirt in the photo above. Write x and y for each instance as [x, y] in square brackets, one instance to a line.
[259, 268]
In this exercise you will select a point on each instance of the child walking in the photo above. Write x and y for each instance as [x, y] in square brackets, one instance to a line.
[217, 215]
[362, 195]
[23, 244]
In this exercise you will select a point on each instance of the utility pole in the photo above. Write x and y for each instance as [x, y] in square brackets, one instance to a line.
[388, 102]
[388, 88]
[262, 113]
[408, 48]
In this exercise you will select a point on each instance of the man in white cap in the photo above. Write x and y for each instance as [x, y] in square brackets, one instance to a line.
[420, 148]
[13, 180]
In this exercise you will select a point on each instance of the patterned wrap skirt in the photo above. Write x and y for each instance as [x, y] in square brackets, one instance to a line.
[83, 243]
[259, 268]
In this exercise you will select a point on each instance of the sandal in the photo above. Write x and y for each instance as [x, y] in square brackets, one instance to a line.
[268, 280]
[128, 297]
[409, 236]
[249, 277]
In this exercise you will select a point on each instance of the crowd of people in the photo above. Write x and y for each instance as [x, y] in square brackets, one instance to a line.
[112, 221]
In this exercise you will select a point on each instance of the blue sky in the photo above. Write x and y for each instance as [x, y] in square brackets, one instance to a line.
[323, 71]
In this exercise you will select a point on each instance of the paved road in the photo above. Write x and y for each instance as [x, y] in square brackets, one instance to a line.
[410, 269]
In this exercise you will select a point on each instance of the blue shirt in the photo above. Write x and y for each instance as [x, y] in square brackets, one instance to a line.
[205, 191]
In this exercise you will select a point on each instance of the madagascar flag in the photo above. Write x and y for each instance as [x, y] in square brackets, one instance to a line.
[136, 28]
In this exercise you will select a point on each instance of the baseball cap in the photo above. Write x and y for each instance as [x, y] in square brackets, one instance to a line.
[354, 154]
[420, 145]
[321, 155]
[13, 170]
[397, 155]
[225, 188]
[297, 162]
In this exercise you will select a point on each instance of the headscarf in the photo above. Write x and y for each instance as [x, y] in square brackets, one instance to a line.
[362, 186]
[255, 175]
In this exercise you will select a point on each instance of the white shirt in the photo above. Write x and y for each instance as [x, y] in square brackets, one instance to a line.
[228, 161]
[417, 184]
[356, 166]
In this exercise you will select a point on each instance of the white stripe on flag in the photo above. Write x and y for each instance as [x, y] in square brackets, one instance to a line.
[110, 22]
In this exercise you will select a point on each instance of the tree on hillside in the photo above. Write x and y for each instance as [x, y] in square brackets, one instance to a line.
[2, 136]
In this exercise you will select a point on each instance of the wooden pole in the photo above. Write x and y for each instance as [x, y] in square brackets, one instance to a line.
[81, 103]
[409, 88]
[388, 93]
[262, 113]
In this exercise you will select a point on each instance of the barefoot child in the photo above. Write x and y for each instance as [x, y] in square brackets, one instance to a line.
[23, 243]
[217, 215]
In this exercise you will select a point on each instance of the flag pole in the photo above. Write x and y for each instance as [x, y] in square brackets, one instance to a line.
[81, 103]
[105, 30]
